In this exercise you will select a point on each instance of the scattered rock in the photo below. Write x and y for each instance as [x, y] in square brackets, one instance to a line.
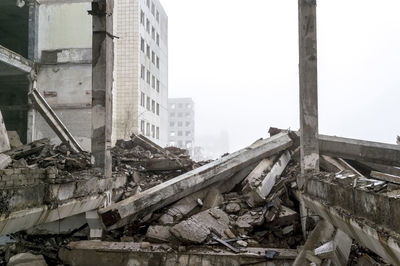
[242, 243]
[232, 207]
[27, 259]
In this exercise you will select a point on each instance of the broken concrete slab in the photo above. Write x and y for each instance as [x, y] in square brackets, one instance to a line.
[5, 161]
[353, 149]
[27, 259]
[122, 253]
[286, 216]
[61, 227]
[386, 177]
[158, 234]
[198, 227]
[230, 183]
[254, 179]
[4, 142]
[123, 212]
[322, 233]
[259, 194]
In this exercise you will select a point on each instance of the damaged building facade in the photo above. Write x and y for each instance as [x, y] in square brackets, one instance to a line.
[292, 198]
[50, 42]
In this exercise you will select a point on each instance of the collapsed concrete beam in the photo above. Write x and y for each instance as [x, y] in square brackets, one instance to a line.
[262, 190]
[383, 242]
[25, 219]
[4, 142]
[128, 253]
[353, 149]
[121, 213]
[15, 61]
[381, 168]
[386, 177]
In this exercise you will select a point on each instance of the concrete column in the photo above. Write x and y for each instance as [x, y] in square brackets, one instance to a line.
[102, 83]
[308, 86]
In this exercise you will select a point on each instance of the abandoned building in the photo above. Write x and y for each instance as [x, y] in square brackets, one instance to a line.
[292, 198]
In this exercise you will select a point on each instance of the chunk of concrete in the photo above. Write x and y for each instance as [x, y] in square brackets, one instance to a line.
[259, 194]
[5, 161]
[132, 208]
[197, 228]
[287, 216]
[213, 199]
[4, 142]
[232, 207]
[27, 259]
[158, 234]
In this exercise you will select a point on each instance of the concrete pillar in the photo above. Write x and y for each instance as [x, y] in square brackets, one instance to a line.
[102, 83]
[308, 86]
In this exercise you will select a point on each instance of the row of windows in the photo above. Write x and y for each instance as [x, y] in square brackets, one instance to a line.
[149, 129]
[188, 144]
[180, 105]
[150, 79]
[180, 133]
[153, 10]
[149, 104]
[180, 124]
[154, 35]
[145, 48]
[172, 114]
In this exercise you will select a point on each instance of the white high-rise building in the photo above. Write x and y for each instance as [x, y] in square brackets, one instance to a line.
[141, 70]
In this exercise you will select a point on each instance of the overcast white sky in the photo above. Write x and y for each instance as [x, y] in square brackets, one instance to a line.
[238, 60]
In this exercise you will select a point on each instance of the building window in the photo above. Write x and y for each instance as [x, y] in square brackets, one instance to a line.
[173, 106]
[148, 77]
[147, 129]
[153, 33]
[158, 62]
[148, 51]
[187, 124]
[180, 114]
[187, 114]
[188, 106]
[180, 124]
[180, 143]
[158, 109]
[158, 39]
[158, 86]
[188, 133]
[153, 57]
[153, 106]
[142, 17]
[142, 127]
[153, 82]
[158, 16]
[148, 103]
[147, 25]
[142, 71]
[153, 9]
[172, 114]
[158, 132]
[148, 3]
[142, 44]
[179, 133]
[142, 99]
[172, 133]
[153, 131]
[171, 124]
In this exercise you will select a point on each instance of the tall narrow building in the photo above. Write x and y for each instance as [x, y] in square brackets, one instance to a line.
[141, 70]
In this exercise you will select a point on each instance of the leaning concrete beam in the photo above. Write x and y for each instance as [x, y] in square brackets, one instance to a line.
[383, 242]
[25, 219]
[128, 253]
[15, 60]
[54, 121]
[4, 142]
[259, 194]
[121, 213]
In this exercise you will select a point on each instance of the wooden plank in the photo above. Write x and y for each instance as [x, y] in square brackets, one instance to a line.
[121, 213]
[308, 86]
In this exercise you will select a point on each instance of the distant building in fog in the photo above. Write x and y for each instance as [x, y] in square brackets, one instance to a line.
[209, 147]
[181, 123]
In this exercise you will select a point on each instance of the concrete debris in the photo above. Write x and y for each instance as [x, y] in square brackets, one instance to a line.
[159, 200]
[5, 160]
[4, 142]
[27, 259]
[14, 139]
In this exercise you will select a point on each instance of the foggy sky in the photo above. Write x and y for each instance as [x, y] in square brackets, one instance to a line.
[238, 60]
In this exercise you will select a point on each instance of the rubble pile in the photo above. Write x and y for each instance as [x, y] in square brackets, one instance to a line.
[251, 203]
